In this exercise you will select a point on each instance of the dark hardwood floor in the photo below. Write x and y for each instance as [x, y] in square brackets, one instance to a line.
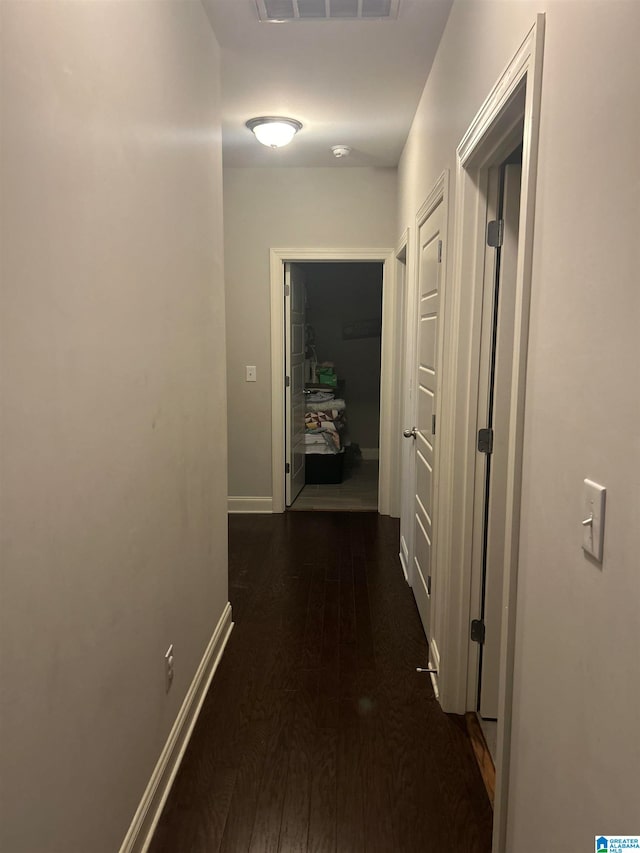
[317, 733]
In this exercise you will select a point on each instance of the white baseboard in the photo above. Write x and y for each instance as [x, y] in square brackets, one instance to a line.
[145, 820]
[242, 504]
[404, 558]
[403, 563]
[434, 663]
[370, 452]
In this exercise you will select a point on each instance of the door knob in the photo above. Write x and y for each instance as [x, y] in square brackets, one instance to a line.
[410, 433]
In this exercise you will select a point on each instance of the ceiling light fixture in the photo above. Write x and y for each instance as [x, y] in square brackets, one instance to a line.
[274, 131]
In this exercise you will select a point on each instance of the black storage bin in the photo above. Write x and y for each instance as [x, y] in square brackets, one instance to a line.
[323, 468]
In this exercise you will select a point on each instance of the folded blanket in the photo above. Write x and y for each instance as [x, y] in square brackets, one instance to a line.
[325, 406]
[317, 420]
[321, 450]
[319, 396]
[321, 424]
[314, 439]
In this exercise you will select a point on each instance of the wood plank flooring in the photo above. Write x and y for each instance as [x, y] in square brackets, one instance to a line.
[486, 765]
[357, 492]
[317, 733]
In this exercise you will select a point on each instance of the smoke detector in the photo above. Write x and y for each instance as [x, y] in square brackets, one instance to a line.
[340, 151]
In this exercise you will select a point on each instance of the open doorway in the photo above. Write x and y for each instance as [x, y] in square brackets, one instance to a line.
[341, 315]
[282, 371]
[494, 403]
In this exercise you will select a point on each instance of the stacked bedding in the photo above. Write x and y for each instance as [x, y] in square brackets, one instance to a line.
[324, 423]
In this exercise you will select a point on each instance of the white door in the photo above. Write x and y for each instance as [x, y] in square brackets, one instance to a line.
[498, 412]
[294, 379]
[429, 259]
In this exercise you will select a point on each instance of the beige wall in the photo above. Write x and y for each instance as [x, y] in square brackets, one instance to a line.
[576, 749]
[283, 208]
[112, 397]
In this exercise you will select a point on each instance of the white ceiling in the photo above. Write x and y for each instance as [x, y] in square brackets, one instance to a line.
[355, 83]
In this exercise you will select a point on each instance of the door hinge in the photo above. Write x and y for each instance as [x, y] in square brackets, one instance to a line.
[287, 382]
[287, 468]
[439, 251]
[477, 631]
[485, 440]
[495, 233]
[287, 290]
[433, 424]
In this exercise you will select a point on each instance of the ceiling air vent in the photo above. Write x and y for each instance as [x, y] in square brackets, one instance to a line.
[277, 11]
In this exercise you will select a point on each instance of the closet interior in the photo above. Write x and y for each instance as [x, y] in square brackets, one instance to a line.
[343, 325]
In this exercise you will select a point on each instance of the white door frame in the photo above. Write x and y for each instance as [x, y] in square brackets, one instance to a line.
[389, 419]
[294, 351]
[510, 112]
[406, 345]
[399, 358]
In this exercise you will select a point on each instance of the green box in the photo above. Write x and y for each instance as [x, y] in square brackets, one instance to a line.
[327, 376]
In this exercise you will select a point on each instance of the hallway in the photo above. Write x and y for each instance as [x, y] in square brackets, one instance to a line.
[318, 733]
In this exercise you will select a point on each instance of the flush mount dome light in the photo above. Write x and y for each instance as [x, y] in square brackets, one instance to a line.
[274, 131]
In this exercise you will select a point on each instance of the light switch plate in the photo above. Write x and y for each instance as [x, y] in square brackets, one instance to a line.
[593, 503]
[251, 373]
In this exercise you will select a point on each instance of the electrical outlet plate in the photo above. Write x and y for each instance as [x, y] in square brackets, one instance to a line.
[593, 503]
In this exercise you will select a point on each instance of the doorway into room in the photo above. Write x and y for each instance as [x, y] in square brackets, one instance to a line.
[494, 403]
[333, 335]
[293, 360]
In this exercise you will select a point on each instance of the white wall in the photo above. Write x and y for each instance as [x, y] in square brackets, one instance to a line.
[283, 208]
[576, 749]
[112, 394]
[339, 294]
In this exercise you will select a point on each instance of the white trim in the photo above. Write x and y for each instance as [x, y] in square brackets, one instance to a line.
[434, 684]
[403, 559]
[145, 820]
[387, 413]
[405, 254]
[370, 453]
[399, 374]
[511, 110]
[434, 663]
[401, 246]
[248, 504]
[434, 655]
[278, 257]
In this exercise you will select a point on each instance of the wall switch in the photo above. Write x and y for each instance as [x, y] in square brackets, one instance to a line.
[168, 668]
[251, 373]
[593, 501]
